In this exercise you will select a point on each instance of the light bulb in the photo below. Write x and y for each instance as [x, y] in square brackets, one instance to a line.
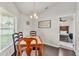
[31, 17]
[35, 15]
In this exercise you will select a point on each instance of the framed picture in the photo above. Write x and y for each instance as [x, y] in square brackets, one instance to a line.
[44, 24]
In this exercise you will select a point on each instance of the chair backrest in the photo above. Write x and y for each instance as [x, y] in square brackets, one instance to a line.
[15, 41]
[29, 46]
[20, 35]
[32, 33]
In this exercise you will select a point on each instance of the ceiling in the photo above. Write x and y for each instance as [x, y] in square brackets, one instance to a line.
[29, 8]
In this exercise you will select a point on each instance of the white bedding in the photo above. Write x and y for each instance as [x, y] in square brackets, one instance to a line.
[63, 33]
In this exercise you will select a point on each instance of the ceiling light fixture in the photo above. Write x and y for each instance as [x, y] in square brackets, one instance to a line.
[34, 15]
[31, 17]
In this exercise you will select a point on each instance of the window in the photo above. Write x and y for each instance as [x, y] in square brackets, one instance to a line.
[7, 24]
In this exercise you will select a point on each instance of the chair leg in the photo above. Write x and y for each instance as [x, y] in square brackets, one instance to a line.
[28, 51]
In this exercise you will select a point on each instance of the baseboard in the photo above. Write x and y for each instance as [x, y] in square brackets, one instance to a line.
[56, 46]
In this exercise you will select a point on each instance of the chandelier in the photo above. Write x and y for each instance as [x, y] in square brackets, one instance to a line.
[34, 15]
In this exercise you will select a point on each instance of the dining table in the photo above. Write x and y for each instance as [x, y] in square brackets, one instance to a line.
[39, 45]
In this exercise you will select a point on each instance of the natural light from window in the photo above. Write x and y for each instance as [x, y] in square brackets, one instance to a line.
[7, 24]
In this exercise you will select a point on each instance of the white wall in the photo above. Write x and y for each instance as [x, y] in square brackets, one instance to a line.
[22, 25]
[50, 36]
[65, 52]
[77, 31]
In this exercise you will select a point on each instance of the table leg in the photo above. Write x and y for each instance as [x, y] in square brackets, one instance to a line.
[40, 52]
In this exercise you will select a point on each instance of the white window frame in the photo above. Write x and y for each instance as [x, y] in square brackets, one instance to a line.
[15, 28]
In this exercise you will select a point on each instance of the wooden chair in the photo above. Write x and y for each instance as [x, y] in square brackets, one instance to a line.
[32, 33]
[20, 35]
[15, 41]
[29, 46]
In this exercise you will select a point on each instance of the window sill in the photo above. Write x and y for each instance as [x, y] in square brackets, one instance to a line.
[5, 48]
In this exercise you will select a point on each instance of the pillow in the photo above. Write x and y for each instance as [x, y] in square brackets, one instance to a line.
[63, 32]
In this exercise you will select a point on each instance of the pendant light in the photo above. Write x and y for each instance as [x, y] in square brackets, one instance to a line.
[34, 15]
